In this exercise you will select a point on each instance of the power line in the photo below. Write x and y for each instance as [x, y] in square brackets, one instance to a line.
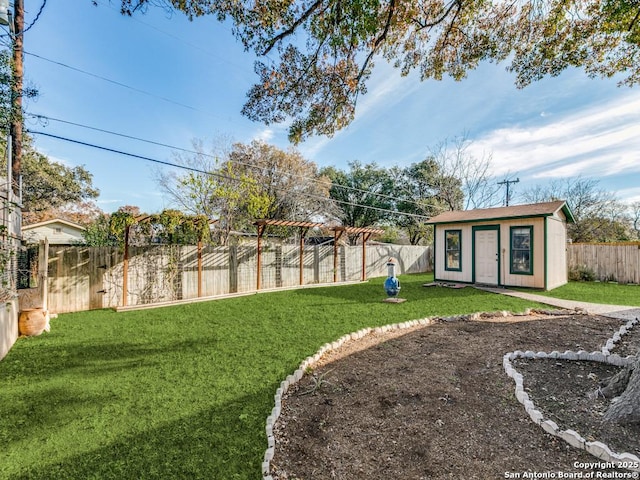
[185, 150]
[120, 84]
[37, 17]
[175, 37]
[204, 172]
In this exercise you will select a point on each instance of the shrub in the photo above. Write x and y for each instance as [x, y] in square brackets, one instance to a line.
[581, 273]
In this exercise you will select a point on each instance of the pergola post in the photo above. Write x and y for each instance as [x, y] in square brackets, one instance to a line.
[303, 234]
[304, 228]
[125, 266]
[261, 228]
[365, 237]
[199, 267]
[337, 233]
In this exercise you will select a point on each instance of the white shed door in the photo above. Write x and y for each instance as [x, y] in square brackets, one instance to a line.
[486, 256]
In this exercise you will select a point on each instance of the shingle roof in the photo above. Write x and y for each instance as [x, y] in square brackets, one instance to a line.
[517, 211]
[53, 220]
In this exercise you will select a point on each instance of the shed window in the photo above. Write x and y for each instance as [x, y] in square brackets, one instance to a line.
[522, 250]
[453, 251]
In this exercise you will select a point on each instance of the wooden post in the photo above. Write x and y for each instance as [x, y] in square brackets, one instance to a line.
[199, 267]
[16, 95]
[365, 237]
[43, 273]
[303, 233]
[259, 272]
[337, 233]
[125, 266]
[335, 255]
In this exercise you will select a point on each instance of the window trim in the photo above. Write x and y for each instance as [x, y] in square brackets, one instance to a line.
[512, 250]
[459, 250]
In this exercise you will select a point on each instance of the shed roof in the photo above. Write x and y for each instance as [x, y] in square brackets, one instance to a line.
[53, 221]
[545, 209]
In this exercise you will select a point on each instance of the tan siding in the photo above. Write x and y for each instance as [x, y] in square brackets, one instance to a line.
[516, 280]
[557, 253]
[467, 255]
[66, 236]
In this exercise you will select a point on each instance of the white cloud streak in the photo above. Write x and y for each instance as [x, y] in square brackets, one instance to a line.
[601, 140]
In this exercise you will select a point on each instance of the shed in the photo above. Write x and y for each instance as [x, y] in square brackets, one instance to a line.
[57, 230]
[515, 246]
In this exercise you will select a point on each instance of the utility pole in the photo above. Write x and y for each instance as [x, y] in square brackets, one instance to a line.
[16, 94]
[508, 183]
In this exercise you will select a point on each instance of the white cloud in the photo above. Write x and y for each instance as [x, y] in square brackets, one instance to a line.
[385, 89]
[264, 135]
[630, 195]
[601, 140]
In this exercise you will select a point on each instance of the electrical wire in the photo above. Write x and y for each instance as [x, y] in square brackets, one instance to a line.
[120, 84]
[204, 172]
[37, 17]
[236, 162]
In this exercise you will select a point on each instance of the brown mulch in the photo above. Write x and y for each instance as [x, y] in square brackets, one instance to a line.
[434, 402]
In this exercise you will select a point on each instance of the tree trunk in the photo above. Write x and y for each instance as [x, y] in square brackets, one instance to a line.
[625, 408]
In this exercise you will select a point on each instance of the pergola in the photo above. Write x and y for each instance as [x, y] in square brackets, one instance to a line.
[366, 235]
[304, 228]
[125, 263]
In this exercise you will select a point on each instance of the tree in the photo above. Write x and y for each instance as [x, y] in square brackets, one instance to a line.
[465, 181]
[47, 184]
[364, 194]
[599, 216]
[98, 234]
[82, 213]
[290, 184]
[249, 182]
[321, 53]
[635, 219]
[423, 190]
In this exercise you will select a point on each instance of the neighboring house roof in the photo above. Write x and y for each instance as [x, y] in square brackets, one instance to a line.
[57, 231]
[52, 221]
[545, 209]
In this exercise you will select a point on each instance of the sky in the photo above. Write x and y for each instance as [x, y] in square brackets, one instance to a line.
[159, 77]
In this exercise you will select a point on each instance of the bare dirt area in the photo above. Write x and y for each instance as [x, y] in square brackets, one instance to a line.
[434, 402]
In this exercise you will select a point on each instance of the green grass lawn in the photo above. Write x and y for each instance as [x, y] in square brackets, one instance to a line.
[596, 292]
[182, 392]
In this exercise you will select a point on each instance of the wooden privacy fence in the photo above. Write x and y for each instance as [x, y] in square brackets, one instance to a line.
[609, 261]
[85, 278]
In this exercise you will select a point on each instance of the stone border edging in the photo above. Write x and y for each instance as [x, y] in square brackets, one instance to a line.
[573, 438]
[598, 449]
[328, 347]
[309, 362]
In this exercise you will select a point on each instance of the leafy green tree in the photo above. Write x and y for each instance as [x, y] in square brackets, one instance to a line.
[49, 185]
[45, 184]
[97, 233]
[290, 184]
[364, 194]
[249, 182]
[321, 53]
[424, 190]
